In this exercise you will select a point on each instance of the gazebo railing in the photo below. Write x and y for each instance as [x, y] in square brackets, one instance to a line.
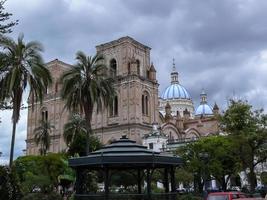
[121, 196]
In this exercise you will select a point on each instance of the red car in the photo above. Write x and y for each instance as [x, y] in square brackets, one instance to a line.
[225, 195]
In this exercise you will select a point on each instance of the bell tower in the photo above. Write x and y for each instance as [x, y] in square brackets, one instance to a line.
[136, 106]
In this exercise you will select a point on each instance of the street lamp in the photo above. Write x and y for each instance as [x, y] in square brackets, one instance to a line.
[205, 157]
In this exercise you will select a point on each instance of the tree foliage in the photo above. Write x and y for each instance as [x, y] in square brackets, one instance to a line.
[21, 67]
[87, 85]
[76, 125]
[78, 146]
[6, 24]
[40, 172]
[184, 176]
[42, 136]
[221, 160]
[124, 178]
[9, 188]
[248, 130]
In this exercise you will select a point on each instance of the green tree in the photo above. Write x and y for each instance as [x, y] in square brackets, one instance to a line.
[5, 16]
[40, 171]
[87, 85]
[264, 178]
[42, 135]
[9, 188]
[248, 130]
[184, 176]
[124, 178]
[76, 125]
[75, 134]
[24, 68]
[78, 146]
[222, 159]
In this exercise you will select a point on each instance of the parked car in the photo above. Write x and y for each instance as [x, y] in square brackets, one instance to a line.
[225, 195]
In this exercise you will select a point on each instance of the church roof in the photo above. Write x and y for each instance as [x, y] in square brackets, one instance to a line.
[175, 91]
[122, 40]
[204, 109]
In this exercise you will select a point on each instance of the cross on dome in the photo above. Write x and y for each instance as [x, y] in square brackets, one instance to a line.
[174, 74]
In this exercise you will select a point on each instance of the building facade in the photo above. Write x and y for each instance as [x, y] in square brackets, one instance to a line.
[52, 110]
[135, 106]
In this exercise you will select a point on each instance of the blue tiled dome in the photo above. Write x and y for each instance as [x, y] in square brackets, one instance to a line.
[204, 109]
[175, 91]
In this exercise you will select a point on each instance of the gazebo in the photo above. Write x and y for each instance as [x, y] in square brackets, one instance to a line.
[126, 154]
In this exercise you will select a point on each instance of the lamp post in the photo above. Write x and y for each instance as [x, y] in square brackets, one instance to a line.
[1, 153]
[205, 157]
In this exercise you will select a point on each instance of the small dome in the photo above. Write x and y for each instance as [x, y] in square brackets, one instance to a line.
[175, 91]
[204, 109]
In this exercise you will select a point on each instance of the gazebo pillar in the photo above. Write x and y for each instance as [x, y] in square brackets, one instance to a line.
[106, 182]
[148, 183]
[166, 180]
[139, 181]
[78, 183]
[173, 185]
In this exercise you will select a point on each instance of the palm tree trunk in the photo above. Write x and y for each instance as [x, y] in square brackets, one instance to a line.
[88, 112]
[12, 144]
[88, 138]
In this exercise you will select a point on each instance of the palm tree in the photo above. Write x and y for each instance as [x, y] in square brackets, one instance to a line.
[42, 136]
[21, 68]
[75, 126]
[86, 85]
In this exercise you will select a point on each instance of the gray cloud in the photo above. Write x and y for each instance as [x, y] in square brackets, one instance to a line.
[218, 45]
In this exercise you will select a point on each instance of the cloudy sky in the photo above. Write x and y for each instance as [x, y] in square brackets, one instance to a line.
[217, 45]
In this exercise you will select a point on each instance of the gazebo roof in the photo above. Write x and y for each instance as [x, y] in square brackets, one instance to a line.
[125, 153]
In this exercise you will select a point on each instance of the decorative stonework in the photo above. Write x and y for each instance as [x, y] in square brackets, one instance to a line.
[129, 89]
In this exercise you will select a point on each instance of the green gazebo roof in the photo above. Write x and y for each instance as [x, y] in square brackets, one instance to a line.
[125, 153]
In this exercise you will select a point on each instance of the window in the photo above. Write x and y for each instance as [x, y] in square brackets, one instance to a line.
[150, 145]
[45, 115]
[113, 68]
[56, 87]
[129, 68]
[114, 107]
[147, 74]
[138, 66]
[145, 104]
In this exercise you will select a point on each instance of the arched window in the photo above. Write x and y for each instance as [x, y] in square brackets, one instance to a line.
[138, 66]
[114, 107]
[113, 68]
[129, 67]
[147, 73]
[56, 87]
[44, 115]
[145, 103]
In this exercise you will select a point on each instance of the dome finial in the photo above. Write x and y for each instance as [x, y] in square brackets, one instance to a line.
[174, 74]
[203, 97]
[173, 65]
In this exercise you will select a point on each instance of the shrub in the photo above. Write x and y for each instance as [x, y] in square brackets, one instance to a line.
[189, 197]
[9, 189]
[42, 196]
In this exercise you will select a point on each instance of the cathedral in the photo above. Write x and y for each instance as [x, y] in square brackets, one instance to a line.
[138, 110]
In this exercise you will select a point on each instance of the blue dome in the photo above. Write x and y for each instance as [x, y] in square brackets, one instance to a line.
[204, 109]
[175, 91]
